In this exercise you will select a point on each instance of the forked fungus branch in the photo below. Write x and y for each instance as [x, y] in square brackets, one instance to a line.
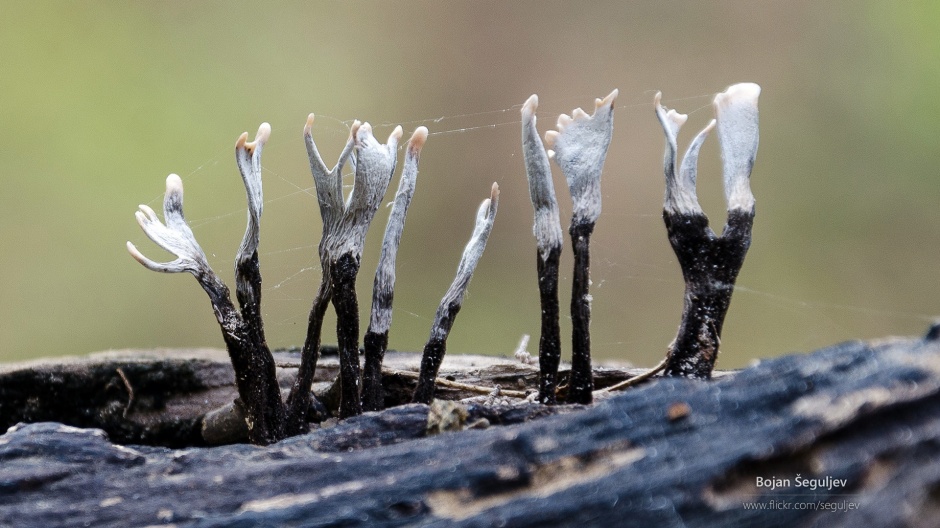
[710, 263]
[243, 332]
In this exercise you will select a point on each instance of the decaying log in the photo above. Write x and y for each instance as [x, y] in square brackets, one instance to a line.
[854, 427]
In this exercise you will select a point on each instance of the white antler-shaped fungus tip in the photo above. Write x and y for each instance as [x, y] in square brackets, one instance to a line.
[550, 137]
[738, 133]
[261, 137]
[138, 256]
[354, 129]
[607, 101]
[241, 141]
[741, 93]
[494, 192]
[395, 136]
[418, 138]
[361, 131]
[174, 184]
[308, 127]
[579, 147]
[528, 108]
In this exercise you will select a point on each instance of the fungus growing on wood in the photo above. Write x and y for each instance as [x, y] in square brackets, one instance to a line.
[548, 239]
[375, 341]
[436, 346]
[243, 331]
[344, 230]
[710, 263]
[579, 147]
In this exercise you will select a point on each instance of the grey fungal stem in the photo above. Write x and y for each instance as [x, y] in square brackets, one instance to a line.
[254, 366]
[247, 270]
[344, 230]
[329, 187]
[710, 263]
[579, 147]
[450, 305]
[548, 238]
[375, 164]
[375, 341]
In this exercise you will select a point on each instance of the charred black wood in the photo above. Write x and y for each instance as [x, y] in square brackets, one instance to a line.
[860, 420]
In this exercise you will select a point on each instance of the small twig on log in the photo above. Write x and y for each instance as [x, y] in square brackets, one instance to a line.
[447, 311]
[579, 147]
[636, 380]
[446, 383]
[375, 341]
[710, 263]
[130, 392]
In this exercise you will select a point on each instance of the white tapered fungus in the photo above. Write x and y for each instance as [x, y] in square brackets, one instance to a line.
[548, 239]
[375, 341]
[243, 331]
[579, 147]
[710, 263]
[436, 346]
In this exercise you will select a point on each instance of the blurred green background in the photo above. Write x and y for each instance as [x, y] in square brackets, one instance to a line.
[99, 101]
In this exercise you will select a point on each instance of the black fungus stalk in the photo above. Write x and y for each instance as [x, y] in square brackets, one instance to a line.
[375, 341]
[375, 164]
[343, 272]
[548, 237]
[243, 332]
[579, 147]
[329, 186]
[710, 263]
[581, 385]
[450, 305]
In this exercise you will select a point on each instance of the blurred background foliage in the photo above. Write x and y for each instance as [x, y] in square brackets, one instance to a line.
[99, 101]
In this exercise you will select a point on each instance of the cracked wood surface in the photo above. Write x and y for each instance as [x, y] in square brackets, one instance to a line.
[668, 453]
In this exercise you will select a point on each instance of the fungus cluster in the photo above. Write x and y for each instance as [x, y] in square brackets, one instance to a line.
[345, 224]
[710, 263]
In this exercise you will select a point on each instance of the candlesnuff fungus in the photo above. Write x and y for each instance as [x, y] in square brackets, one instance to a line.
[548, 239]
[344, 233]
[579, 147]
[344, 230]
[447, 311]
[243, 331]
[375, 341]
[329, 186]
[710, 263]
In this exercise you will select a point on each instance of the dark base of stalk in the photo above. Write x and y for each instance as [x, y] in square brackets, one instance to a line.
[256, 380]
[299, 400]
[343, 275]
[373, 396]
[550, 339]
[581, 386]
[710, 266]
[431, 361]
